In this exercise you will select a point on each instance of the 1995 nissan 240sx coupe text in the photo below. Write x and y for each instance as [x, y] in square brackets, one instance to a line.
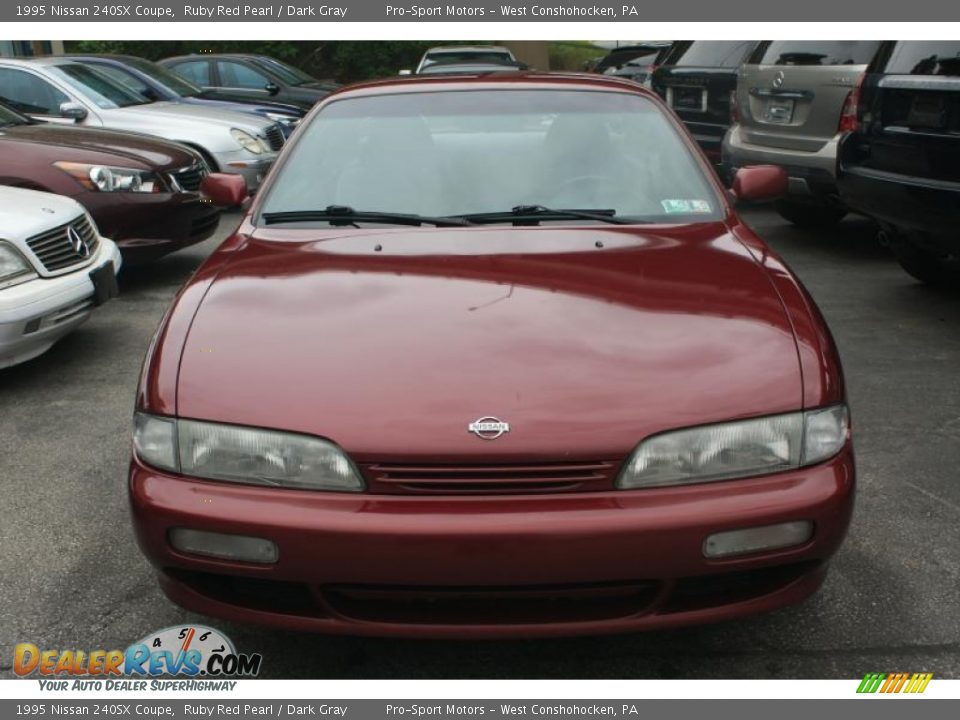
[490, 356]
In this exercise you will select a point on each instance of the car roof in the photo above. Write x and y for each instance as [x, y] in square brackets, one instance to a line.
[495, 80]
[202, 56]
[27, 62]
[470, 68]
[86, 57]
[451, 48]
[101, 56]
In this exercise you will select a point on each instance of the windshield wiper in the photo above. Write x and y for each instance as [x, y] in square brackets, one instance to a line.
[340, 215]
[533, 214]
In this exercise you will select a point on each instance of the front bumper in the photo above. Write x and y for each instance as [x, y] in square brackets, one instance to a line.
[37, 313]
[810, 173]
[148, 226]
[252, 168]
[486, 566]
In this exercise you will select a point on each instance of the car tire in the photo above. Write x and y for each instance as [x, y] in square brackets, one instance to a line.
[811, 215]
[930, 268]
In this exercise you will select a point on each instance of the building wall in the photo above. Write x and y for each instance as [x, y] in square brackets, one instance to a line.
[28, 48]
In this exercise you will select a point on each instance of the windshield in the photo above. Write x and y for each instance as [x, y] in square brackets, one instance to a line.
[288, 74]
[8, 117]
[101, 90]
[461, 56]
[709, 53]
[467, 68]
[819, 52]
[922, 57]
[167, 78]
[467, 152]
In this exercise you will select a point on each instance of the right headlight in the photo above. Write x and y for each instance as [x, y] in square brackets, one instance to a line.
[247, 141]
[13, 265]
[737, 449]
[239, 454]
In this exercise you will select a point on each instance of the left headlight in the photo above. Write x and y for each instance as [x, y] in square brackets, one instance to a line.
[737, 449]
[14, 267]
[111, 179]
[243, 454]
[247, 141]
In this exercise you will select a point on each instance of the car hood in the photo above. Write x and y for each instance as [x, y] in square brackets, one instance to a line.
[584, 340]
[151, 151]
[200, 118]
[25, 213]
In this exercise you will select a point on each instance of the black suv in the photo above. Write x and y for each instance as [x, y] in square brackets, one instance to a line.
[901, 166]
[697, 79]
[250, 78]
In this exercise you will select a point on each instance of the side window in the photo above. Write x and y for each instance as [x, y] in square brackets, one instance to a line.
[237, 75]
[197, 71]
[29, 94]
[127, 80]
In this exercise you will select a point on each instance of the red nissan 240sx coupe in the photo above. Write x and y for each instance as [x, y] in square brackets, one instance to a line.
[492, 356]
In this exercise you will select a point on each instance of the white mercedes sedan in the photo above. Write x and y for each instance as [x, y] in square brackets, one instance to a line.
[54, 270]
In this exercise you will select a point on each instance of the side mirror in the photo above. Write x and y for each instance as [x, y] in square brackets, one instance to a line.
[760, 182]
[224, 190]
[271, 88]
[73, 110]
[405, 72]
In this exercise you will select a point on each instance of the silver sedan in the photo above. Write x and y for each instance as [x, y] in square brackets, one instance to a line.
[57, 90]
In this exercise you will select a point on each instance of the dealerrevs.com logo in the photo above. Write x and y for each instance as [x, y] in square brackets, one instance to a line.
[192, 651]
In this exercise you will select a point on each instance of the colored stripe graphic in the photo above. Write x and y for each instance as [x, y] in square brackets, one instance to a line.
[885, 683]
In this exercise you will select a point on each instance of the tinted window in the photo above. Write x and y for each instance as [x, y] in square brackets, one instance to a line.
[101, 90]
[712, 54]
[817, 52]
[452, 153]
[10, 117]
[285, 72]
[165, 77]
[29, 94]
[481, 56]
[237, 75]
[128, 80]
[197, 71]
[465, 68]
[635, 64]
[925, 58]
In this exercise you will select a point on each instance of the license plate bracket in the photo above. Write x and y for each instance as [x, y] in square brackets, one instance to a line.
[104, 280]
[779, 110]
[928, 112]
[688, 98]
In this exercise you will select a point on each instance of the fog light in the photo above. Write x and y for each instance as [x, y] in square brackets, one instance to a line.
[748, 540]
[225, 547]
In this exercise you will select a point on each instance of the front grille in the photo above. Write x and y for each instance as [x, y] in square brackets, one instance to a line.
[491, 605]
[60, 248]
[490, 479]
[188, 179]
[274, 137]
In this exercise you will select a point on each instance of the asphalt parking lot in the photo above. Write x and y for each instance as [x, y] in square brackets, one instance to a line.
[74, 578]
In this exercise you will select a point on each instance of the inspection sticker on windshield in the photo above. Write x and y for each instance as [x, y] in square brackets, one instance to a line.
[685, 207]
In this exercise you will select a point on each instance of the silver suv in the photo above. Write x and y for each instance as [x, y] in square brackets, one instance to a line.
[794, 100]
